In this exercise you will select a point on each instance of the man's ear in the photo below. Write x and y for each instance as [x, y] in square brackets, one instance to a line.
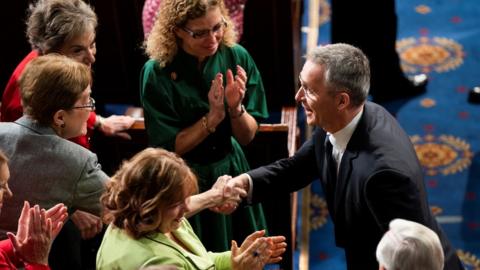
[343, 101]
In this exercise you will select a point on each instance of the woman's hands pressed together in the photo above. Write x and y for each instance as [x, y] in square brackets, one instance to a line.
[36, 231]
[257, 251]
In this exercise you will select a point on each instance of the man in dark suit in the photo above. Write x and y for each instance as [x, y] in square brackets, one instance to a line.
[372, 174]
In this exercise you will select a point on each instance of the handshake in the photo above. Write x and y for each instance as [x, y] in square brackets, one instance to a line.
[229, 192]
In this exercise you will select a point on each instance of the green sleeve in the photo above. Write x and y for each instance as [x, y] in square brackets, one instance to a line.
[161, 118]
[221, 260]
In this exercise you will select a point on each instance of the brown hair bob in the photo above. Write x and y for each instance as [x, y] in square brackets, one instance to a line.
[143, 187]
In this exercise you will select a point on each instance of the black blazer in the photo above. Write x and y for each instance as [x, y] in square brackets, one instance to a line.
[380, 179]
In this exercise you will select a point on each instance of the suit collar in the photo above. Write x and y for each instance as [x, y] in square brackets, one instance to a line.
[28, 122]
[197, 254]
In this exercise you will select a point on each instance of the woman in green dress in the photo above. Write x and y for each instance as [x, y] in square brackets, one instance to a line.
[201, 95]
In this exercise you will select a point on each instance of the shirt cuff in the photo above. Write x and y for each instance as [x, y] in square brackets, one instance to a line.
[250, 188]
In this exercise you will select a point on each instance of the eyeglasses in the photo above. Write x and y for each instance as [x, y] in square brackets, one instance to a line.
[309, 93]
[206, 32]
[90, 105]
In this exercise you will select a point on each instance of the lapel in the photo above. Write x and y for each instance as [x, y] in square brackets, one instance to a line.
[344, 174]
[351, 153]
[319, 138]
[197, 255]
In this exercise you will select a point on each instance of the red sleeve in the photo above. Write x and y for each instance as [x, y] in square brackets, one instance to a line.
[7, 256]
[9, 261]
[36, 267]
[11, 108]
[84, 140]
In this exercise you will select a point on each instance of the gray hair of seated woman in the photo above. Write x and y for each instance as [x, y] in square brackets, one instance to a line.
[51, 23]
[410, 246]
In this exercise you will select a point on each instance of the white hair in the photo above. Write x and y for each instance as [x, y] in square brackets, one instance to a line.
[410, 245]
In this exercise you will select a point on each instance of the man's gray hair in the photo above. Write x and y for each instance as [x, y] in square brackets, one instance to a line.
[346, 69]
[410, 246]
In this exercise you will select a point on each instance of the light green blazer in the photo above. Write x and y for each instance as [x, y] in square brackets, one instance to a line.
[120, 251]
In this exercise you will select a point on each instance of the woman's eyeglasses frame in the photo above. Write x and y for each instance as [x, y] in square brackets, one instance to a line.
[201, 34]
[90, 105]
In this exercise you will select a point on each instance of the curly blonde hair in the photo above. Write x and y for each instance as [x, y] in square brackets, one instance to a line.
[162, 43]
[143, 188]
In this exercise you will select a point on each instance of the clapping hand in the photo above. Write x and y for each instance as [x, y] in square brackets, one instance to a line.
[257, 251]
[235, 88]
[216, 97]
[36, 231]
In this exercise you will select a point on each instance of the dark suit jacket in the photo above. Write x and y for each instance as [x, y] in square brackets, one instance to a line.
[380, 179]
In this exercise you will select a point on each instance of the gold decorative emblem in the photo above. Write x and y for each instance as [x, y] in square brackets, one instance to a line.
[423, 9]
[324, 12]
[319, 212]
[436, 210]
[444, 154]
[428, 102]
[425, 54]
[469, 260]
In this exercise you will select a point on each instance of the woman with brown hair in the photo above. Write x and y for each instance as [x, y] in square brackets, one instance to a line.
[47, 168]
[146, 204]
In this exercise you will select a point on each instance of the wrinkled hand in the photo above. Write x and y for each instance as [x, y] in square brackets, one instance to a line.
[253, 254]
[34, 236]
[231, 195]
[278, 247]
[57, 214]
[88, 224]
[235, 88]
[116, 125]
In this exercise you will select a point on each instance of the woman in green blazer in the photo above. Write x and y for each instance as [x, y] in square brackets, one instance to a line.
[146, 203]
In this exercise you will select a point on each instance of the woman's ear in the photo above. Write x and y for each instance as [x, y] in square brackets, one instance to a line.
[59, 118]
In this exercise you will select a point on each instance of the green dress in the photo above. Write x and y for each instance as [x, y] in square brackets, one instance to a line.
[175, 97]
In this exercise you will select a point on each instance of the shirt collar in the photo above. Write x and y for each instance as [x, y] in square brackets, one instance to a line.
[340, 139]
